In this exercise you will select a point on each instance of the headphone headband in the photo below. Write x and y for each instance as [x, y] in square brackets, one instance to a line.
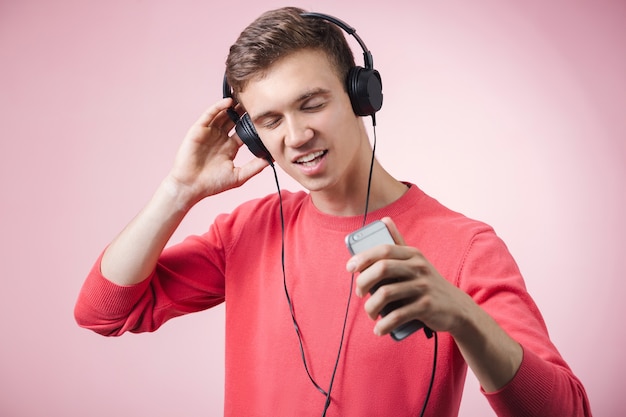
[367, 55]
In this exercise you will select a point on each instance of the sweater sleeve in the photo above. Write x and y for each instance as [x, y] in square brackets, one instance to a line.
[539, 390]
[544, 385]
[188, 278]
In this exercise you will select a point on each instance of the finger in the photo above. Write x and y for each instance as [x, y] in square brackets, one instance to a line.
[216, 111]
[239, 108]
[377, 272]
[397, 237]
[392, 294]
[234, 136]
[236, 110]
[363, 260]
[251, 168]
[395, 319]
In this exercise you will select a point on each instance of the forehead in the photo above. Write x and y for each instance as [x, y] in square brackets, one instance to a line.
[289, 77]
[324, 58]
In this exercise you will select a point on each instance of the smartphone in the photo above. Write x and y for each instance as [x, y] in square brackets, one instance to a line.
[374, 234]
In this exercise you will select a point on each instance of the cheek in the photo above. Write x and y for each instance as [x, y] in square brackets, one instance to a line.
[338, 120]
[271, 142]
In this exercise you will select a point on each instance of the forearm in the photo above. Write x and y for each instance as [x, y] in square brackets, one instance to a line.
[132, 255]
[492, 355]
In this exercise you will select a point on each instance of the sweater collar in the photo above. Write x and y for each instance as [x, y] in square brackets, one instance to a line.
[349, 223]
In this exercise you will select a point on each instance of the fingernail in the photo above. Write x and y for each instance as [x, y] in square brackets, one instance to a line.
[351, 266]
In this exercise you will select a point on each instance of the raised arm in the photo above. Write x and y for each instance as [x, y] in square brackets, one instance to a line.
[203, 167]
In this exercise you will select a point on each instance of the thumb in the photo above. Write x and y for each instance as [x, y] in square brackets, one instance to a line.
[251, 168]
[395, 234]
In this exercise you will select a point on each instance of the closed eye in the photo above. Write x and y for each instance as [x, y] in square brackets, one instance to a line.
[313, 104]
[310, 101]
[271, 123]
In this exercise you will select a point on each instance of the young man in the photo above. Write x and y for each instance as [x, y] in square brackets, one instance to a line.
[282, 260]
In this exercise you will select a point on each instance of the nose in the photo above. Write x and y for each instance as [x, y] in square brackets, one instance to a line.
[298, 132]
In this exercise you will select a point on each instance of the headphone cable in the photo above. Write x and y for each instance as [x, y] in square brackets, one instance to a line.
[289, 302]
[345, 320]
[432, 375]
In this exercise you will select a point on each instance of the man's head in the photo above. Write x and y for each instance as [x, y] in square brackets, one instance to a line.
[296, 78]
[279, 33]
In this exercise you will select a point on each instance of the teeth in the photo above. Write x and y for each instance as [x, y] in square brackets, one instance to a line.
[310, 157]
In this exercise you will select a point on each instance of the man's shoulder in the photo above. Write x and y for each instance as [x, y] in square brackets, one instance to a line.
[429, 219]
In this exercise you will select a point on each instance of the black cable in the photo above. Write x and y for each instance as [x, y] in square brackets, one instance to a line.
[289, 302]
[282, 261]
[291, 309]
[343, 333]
[432, 376]
[369, 177]
[345, 320]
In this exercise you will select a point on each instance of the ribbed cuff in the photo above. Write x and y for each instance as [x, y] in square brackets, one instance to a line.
[110, 299]
[527, 393]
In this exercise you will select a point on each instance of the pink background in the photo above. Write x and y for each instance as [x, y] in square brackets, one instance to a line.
[510, 112]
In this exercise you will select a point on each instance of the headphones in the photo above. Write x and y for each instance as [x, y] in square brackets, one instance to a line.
[364, 86]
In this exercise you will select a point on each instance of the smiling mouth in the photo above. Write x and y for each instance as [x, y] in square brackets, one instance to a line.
[311, 159]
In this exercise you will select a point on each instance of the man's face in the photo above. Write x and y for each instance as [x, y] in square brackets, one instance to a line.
[303, 115]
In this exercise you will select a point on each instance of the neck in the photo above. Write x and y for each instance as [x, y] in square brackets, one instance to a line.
[349, 198]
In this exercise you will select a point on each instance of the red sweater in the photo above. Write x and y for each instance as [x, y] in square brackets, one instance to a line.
[239, 261]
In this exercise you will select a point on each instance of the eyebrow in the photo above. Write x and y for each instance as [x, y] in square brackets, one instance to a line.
[302, 97]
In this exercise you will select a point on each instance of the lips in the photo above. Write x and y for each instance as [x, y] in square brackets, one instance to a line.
[311, 159]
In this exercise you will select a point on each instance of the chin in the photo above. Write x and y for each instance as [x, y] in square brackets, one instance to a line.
[313, 184]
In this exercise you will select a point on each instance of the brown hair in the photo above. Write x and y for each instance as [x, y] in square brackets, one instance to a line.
[277, 33]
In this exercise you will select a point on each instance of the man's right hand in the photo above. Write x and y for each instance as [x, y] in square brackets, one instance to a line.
[204, 164]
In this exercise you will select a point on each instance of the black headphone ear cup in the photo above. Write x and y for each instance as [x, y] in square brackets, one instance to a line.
[365, 89]
[248, 135]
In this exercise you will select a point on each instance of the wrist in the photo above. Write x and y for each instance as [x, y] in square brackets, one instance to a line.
[467, 319]
[490, 352]
[179, 196]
